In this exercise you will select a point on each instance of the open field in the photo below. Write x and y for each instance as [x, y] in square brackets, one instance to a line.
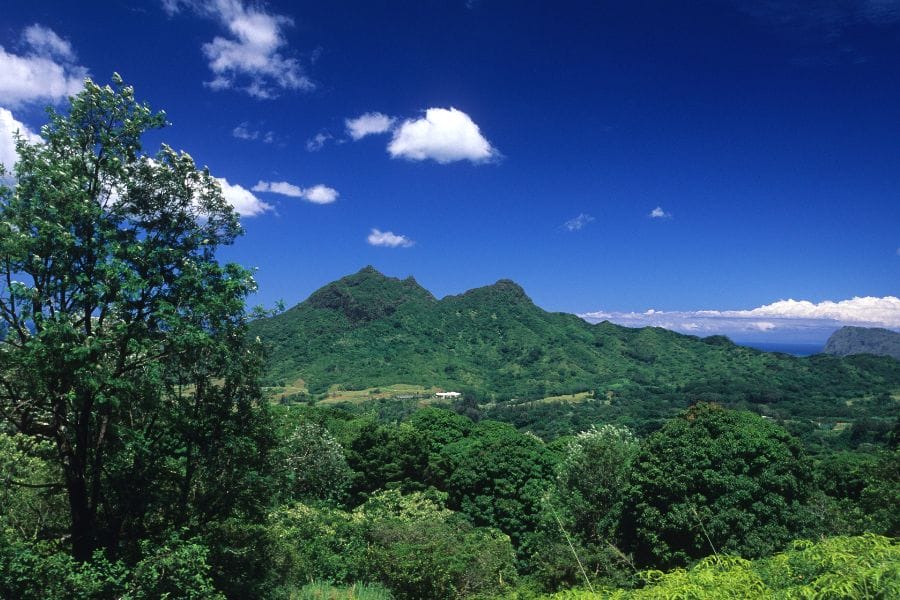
[336, 395]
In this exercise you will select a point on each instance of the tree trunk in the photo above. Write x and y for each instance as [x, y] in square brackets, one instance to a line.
[82, 529]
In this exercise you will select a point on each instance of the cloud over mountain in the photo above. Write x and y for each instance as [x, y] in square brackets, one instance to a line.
[388, 239]
[797, 317]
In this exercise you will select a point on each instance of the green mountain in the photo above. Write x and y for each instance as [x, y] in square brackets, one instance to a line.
[368, 330]
[864, 340]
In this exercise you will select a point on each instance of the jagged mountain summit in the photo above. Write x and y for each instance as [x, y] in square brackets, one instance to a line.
[368, 330]
[847, 341]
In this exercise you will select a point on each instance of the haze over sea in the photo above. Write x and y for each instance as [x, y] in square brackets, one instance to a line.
[784, 348]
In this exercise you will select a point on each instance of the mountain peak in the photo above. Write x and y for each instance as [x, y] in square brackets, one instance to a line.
[506, 291]
[368, 295]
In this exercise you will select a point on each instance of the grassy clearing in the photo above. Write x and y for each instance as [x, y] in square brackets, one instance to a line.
[298, 386]
[325, 591]
[576, 398]
[337, 395]
[569, 398]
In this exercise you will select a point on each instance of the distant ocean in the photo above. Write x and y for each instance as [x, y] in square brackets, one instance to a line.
[795, 349]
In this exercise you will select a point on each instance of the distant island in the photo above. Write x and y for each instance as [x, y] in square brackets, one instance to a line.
[864, 340]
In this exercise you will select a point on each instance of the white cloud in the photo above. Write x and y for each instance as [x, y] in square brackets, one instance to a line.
[659, 213]
[368, 124]
[578, 222]
[317, 142]
[44, 42]
[789, 317]
[9, 125]
[320, 194]
[244, 202]
[45, 73]
[883, 311]
[444, 135]
[279, 187]
[388, 239]
[244, 132]
[317, 194]
[251, 58]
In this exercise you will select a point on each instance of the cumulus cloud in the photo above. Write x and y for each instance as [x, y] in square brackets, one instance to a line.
[444, 135]
[321, 194]
[578, 223]
[9, 125]
[317, 194]
[251, 58]
[243, 200]
[659, 213]
[388, 239]
[45, 72]
[368, 124]
[791, 318]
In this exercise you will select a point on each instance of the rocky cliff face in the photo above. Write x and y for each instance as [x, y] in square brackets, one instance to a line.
[864, 340]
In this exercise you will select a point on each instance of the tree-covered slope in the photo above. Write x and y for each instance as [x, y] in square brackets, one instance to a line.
[864, 340]
[368, 330]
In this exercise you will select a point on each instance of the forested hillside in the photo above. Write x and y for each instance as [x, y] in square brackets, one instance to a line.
[494, 343]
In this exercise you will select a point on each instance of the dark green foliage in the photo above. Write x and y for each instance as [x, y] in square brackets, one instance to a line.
[408, 542]
[314, 464]
[361, 298]
[714, 480]
[313, 543]
[497, 477]
[385, 456]
[422, 551]
[173, 569]
[125, 359]
[592, 481]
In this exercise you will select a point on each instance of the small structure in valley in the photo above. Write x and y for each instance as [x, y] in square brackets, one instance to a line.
[447, 395]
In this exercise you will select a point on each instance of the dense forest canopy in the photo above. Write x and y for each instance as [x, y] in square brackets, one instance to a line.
[141, 458]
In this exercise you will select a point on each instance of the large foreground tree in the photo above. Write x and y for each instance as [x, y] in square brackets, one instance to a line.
[122, 338]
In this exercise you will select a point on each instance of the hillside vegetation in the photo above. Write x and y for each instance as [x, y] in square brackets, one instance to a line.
[493, 342]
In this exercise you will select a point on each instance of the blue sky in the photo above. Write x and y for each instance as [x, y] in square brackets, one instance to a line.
[611, 157]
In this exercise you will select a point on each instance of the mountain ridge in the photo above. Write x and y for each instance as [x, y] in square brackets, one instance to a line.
[367, 330]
